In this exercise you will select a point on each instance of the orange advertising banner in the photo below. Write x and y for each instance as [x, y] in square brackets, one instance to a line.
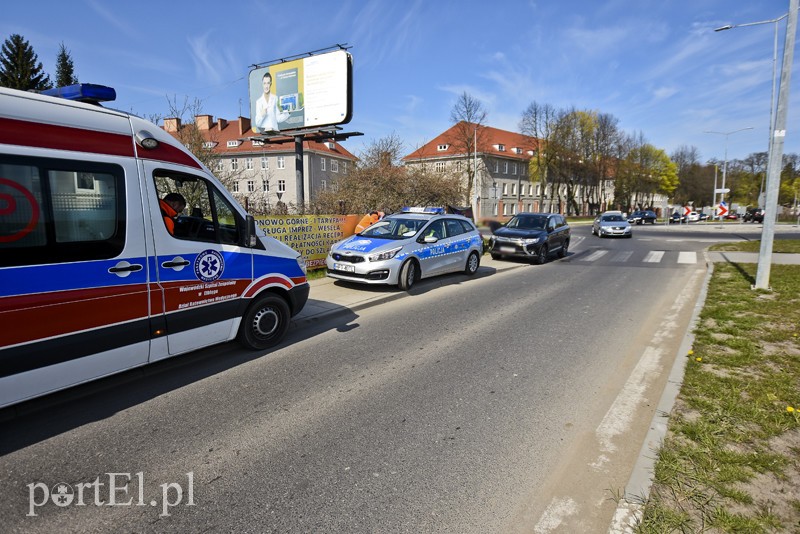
[310, 235]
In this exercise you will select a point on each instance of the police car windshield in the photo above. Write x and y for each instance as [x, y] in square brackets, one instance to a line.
[391, 228]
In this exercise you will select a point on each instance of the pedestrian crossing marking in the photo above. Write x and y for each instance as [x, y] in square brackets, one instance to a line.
[654, 256]
[687, 257]
[596, 255]
[623, 256]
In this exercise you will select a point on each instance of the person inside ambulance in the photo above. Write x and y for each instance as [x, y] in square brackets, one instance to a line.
[171, 206]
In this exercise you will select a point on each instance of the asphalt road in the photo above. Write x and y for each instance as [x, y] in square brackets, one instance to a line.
[512, 401]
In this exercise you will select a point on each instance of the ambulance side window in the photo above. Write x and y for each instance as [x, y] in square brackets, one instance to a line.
[54, 211]
[208, 215]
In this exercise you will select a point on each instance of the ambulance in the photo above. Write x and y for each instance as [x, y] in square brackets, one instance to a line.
[97, 274]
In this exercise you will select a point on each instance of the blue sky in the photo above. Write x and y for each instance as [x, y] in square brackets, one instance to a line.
[657, 66]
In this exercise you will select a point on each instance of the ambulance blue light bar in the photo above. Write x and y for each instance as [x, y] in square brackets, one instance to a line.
[418, 209]
[84, 92]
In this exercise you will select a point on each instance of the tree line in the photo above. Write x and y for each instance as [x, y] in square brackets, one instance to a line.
[20, 67]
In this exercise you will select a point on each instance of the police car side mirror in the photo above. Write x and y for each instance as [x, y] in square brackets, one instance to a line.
[430, 239]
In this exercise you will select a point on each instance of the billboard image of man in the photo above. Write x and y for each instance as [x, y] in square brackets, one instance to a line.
[268, 114]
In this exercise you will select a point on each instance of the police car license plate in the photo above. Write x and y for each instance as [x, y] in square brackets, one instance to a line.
[344, 267]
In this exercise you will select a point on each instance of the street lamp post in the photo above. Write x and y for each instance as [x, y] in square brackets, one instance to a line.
[774, 72]
[778, 135]
[725, 164]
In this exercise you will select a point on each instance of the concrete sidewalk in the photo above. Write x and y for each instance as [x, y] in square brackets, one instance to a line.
[752, 257]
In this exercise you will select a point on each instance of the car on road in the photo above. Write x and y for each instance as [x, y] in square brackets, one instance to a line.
[407, 246]
[755, 215]
[642, 217]
[693, 216]
[611, 223]
[531, 236]
[703, 217]
[677, 218]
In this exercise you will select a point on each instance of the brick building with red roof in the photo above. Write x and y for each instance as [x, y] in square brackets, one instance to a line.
[261, 174]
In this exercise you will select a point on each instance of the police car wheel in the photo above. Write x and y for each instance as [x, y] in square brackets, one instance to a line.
[408, 275]
[265, 323]
[473, 262]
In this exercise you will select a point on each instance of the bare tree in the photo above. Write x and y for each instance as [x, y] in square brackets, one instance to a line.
[468, 115]
[378, 181]
[538, 122]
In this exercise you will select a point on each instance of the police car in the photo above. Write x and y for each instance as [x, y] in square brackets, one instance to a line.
[407, 246]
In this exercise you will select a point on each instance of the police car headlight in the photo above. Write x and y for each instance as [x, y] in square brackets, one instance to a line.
[383, 256]
[530, 241]
[301, 262]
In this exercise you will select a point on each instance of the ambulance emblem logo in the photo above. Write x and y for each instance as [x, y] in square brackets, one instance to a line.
[209, 265]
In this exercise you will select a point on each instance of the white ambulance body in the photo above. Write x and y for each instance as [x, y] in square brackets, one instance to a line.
[92, 279]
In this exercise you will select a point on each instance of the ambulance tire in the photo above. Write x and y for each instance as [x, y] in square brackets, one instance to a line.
[408, 275]
[265, 323]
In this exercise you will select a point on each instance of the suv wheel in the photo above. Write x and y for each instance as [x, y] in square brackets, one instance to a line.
[541, 257]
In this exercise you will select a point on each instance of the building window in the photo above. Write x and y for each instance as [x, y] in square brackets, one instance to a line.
[514, 208]
[439, 166]
[530, 190]
[265, 186]
[281, 186]
[322, 164]
[233, 144]
[249, 164]
[538, 190]
[513, 168]
[494, 209]
[513, 190]
[220, 165]
[442, 148]
[344, 167]
[334, 165]
[458, 166]
[264, 163]
[281, 162]
[505, 191]
[324, 184]
[496, 166]
[234, 164]
[505, 209]
[236, 186]
[505, 167]
[251, 186]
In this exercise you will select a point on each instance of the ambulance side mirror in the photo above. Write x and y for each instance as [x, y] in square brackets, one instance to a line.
[250, 238]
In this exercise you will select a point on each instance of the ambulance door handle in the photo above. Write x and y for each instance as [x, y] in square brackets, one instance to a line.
[177, 263]
[123, 268]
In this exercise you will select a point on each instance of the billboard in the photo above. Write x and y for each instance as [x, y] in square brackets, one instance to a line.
[303, 93]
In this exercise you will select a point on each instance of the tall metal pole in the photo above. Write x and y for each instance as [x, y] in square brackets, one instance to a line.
[776, 156]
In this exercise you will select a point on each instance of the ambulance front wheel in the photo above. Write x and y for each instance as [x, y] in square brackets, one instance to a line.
[265, 323]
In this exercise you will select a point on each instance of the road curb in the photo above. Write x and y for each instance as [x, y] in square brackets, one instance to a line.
[630, 507]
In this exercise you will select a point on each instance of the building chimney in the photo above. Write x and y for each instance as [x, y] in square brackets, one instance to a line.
[203, 122]
[221, 123]
[244, 125]
[172, 124]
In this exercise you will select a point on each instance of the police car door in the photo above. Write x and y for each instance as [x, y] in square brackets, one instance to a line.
[433, 255]
[201, 268]
[457, 245]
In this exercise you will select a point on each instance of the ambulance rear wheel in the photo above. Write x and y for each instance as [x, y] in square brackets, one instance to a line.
[265, 323]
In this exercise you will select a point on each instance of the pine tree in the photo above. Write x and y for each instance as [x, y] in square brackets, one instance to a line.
[65, 69]
[20, 67]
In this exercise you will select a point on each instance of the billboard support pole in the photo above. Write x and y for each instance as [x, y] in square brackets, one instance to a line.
[299, 174]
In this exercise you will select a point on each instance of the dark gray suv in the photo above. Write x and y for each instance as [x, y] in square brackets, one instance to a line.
[532, 236]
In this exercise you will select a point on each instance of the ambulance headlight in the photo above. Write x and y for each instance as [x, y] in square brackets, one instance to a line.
[386, 255]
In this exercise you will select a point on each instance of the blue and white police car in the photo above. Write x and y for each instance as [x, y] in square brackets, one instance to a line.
[407, 246]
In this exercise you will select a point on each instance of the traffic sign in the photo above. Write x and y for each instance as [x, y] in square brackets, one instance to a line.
[723, 191]
[722, 209]
[687, 210]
